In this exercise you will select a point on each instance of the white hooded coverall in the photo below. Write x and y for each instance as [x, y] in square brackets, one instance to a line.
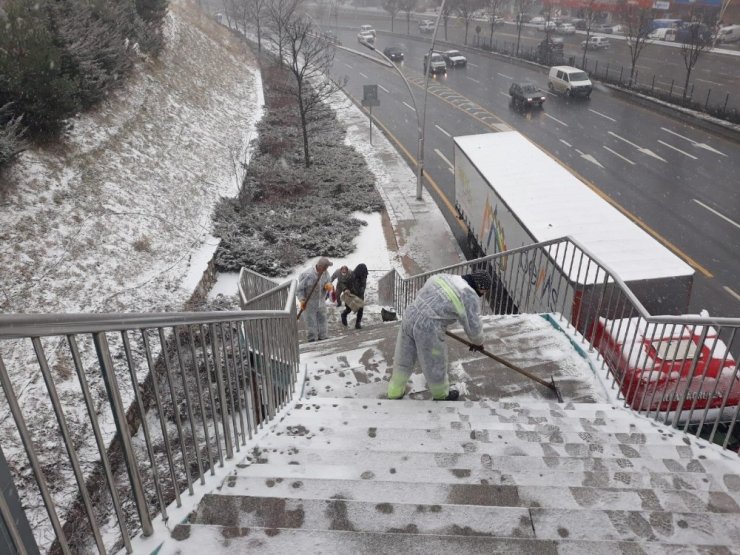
[315, 313]
[442, 300]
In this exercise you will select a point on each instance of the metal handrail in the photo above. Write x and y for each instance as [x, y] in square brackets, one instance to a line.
[209, 379]
[700, 386]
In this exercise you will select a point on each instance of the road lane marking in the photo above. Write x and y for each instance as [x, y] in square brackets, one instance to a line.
[409, 107]
[471, 64]
[556, 119]
[365, 76]
[590, 158]
[439, 153]
[646, 151]
[504, 76]
[505, 94]
[566, 143]
[731, 292]
[615, 153]
[713, 211]
[678, 150]
[349, 66]
[711, 82]
[474, 80]
[705, 146]
[383, 88]
[602, 115]
[442, 130]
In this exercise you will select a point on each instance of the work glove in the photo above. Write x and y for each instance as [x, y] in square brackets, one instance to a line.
[303, 305]
[476, 348]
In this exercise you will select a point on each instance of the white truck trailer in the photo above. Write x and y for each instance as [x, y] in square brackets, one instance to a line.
[511, 193]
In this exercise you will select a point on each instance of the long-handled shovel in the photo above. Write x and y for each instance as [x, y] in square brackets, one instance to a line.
[549, 385]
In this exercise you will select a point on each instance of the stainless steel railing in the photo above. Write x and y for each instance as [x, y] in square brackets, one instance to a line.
[676, 369]
[157, 400]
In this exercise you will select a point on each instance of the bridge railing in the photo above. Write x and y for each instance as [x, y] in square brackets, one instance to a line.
[135, 408]
[678, 369]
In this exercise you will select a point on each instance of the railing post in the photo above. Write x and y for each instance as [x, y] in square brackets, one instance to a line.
[15, 532]
[228, 441]
[33, 459]
[119, 417]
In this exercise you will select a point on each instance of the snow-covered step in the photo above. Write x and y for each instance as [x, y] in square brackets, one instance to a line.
[543, 477]
[470, 408]
[427, 493]
[290, 455]
[639, 526]
[467, 409]
[497, 448]
[373, 434]
[452, 421]
[234, 539]
[362, 516]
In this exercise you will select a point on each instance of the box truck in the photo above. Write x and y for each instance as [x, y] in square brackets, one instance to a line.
[510, 193]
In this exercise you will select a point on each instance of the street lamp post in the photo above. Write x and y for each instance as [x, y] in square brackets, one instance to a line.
[420, 125]
[419, 128]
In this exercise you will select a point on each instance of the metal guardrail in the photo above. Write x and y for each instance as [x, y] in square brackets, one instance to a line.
[200, 384]
[676, 369]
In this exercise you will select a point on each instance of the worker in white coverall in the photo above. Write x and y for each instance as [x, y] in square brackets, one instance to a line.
[443, 300]
[314, 279]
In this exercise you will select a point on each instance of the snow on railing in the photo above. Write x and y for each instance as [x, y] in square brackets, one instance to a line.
[201, 384]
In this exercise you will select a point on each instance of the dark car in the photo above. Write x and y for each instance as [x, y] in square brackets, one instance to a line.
[525, 95]
[394, 53]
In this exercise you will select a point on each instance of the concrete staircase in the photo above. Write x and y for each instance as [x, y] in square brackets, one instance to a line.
[506, 471]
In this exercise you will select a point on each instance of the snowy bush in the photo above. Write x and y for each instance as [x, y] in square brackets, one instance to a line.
[287, 213]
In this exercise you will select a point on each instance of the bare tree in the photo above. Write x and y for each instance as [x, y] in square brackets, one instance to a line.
[407, 6]
[280, 14]
[230, 12]
[589, 12]
[636, 28]
[695, 41]
[309, 58]
[522, 7]
[256, 13]
[466, 9]
[495, 7]
[392, 7]
[447, 10]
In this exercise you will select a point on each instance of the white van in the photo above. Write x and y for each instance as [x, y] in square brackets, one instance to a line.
[570, 81]
[664, 34]
[731, 33]
[595, 43]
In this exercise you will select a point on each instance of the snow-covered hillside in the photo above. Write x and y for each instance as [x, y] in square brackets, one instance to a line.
[117, 216]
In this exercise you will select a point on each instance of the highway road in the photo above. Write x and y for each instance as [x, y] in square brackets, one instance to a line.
[678, 182]
[716, 74]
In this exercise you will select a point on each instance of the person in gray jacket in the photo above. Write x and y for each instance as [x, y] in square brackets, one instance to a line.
[342, 276]
[312, 303]
[442, 300]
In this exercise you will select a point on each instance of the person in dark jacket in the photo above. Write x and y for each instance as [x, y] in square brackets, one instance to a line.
[356, 285]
